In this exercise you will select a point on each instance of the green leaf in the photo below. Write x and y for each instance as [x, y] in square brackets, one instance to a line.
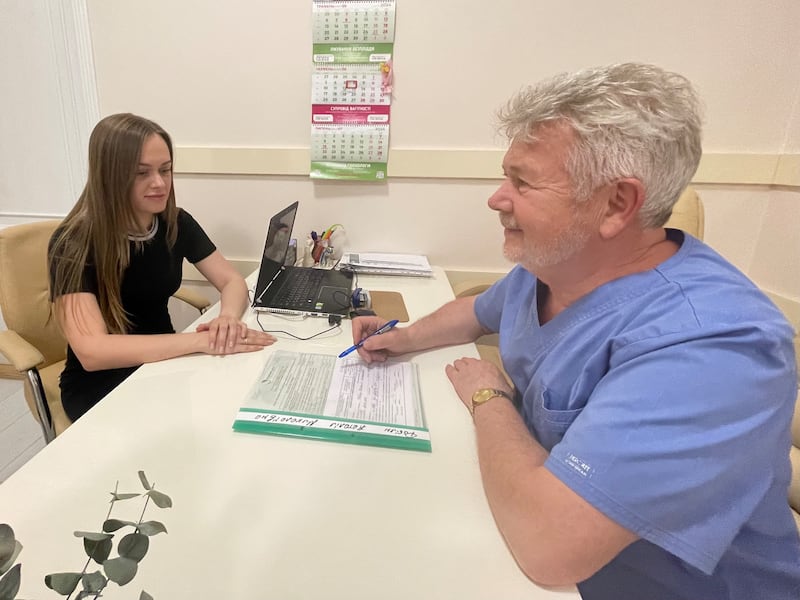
[143, 479]
[114, 524]
[134, 546]
[161, 500]
[10, 562]
[145, 596]
[9, 583]
[98, 550]
[152, 528]
[120, 570]
[7, 544]
[63, 583]
[115, 496]
[93, 582]
[91, 535]
[84, 594]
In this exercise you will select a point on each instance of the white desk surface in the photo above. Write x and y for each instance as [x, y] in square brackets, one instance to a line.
[269, 517]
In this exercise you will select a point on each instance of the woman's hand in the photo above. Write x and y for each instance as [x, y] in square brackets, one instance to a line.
[224, 334]
[252, 341]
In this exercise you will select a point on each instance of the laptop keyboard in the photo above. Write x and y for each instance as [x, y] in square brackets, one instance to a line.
[300, 288]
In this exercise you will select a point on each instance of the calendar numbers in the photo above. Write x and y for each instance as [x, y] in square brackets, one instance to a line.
[349, 143]
[349, 84]
[351, 88]
[353, 21]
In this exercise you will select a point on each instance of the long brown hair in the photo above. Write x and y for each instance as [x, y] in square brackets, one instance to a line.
[96, 229]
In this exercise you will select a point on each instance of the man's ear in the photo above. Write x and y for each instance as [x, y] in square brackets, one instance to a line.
[625, 199]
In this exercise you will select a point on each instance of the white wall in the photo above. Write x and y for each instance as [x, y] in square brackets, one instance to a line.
[47, 106]
[223, 77]
[236, 75]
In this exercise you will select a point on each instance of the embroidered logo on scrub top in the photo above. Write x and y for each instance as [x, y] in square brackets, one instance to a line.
[584, 469]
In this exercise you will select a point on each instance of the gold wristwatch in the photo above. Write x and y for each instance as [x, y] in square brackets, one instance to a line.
[484, 395]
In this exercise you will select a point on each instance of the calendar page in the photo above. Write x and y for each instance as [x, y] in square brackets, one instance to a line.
[353, 151]
[351, 88]
[349, 21]
[349, 84]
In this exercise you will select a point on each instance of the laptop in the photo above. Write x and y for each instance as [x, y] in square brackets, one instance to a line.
[287, 289]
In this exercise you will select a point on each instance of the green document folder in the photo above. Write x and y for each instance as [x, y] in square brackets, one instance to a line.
[342, 400]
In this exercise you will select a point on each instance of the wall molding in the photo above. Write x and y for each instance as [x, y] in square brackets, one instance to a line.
[715, 168]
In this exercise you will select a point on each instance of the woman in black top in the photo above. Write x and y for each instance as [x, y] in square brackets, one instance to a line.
[116, 259]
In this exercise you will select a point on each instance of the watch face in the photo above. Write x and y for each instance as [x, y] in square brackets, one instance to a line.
[483, 395]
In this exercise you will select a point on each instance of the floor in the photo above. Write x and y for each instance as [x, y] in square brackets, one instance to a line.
[20, 435]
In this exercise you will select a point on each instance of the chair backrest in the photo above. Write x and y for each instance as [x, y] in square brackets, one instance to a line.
[24, 288]
[688, 214]
[794, 451]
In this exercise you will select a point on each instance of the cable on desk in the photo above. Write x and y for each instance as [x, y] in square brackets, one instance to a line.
[297, 337]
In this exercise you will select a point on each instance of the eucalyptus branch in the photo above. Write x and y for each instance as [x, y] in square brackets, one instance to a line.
[121, 569]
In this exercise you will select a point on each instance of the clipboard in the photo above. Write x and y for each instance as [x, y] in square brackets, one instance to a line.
[389, 305]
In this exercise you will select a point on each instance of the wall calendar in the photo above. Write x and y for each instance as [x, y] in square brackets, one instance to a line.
[351, 88]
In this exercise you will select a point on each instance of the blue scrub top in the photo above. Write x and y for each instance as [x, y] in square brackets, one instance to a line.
[665, 400]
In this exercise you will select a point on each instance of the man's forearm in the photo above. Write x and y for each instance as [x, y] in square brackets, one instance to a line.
[454, 323]
[556, 537]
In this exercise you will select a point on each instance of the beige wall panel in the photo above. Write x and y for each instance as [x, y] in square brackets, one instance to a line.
[450, 222]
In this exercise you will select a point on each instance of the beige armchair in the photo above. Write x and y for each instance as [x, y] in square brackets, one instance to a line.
[33, 342]
[794, 451]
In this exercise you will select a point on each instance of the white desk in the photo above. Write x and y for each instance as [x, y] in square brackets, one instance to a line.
[269, 517]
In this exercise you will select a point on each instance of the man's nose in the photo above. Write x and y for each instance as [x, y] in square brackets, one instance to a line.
[500, 200]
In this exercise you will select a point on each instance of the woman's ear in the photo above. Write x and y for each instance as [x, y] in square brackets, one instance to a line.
[625, 199]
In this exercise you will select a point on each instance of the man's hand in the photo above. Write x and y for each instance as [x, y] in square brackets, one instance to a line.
[379, 347]
[471, 374]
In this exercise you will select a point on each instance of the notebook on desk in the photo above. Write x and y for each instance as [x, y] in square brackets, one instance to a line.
[287, 289]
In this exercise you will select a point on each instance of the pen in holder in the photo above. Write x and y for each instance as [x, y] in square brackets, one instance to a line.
[327, 260]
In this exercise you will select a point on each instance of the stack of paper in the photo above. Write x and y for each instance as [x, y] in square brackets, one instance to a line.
[373, 263]
[346, 400]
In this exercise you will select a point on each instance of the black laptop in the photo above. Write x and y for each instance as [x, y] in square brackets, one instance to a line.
[290, 290]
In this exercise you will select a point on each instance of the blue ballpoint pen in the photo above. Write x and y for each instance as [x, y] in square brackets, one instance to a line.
[380, 330]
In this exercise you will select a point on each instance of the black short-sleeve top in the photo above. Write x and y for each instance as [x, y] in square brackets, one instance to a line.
[154, 274]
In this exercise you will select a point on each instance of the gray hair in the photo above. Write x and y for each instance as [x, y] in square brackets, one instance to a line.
[629, 120]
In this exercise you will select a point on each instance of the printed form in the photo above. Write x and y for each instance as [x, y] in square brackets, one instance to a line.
[348, 388]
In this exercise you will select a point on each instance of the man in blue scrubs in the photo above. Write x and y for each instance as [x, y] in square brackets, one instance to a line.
[642, 452]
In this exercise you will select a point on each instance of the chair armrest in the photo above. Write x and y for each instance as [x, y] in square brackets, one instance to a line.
[22, 355]
[193, 298]
[469, 288]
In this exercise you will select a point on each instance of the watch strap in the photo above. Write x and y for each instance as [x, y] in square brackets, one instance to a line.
[483, 395]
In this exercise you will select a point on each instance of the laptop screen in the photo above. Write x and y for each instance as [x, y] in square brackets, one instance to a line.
[278, 235]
